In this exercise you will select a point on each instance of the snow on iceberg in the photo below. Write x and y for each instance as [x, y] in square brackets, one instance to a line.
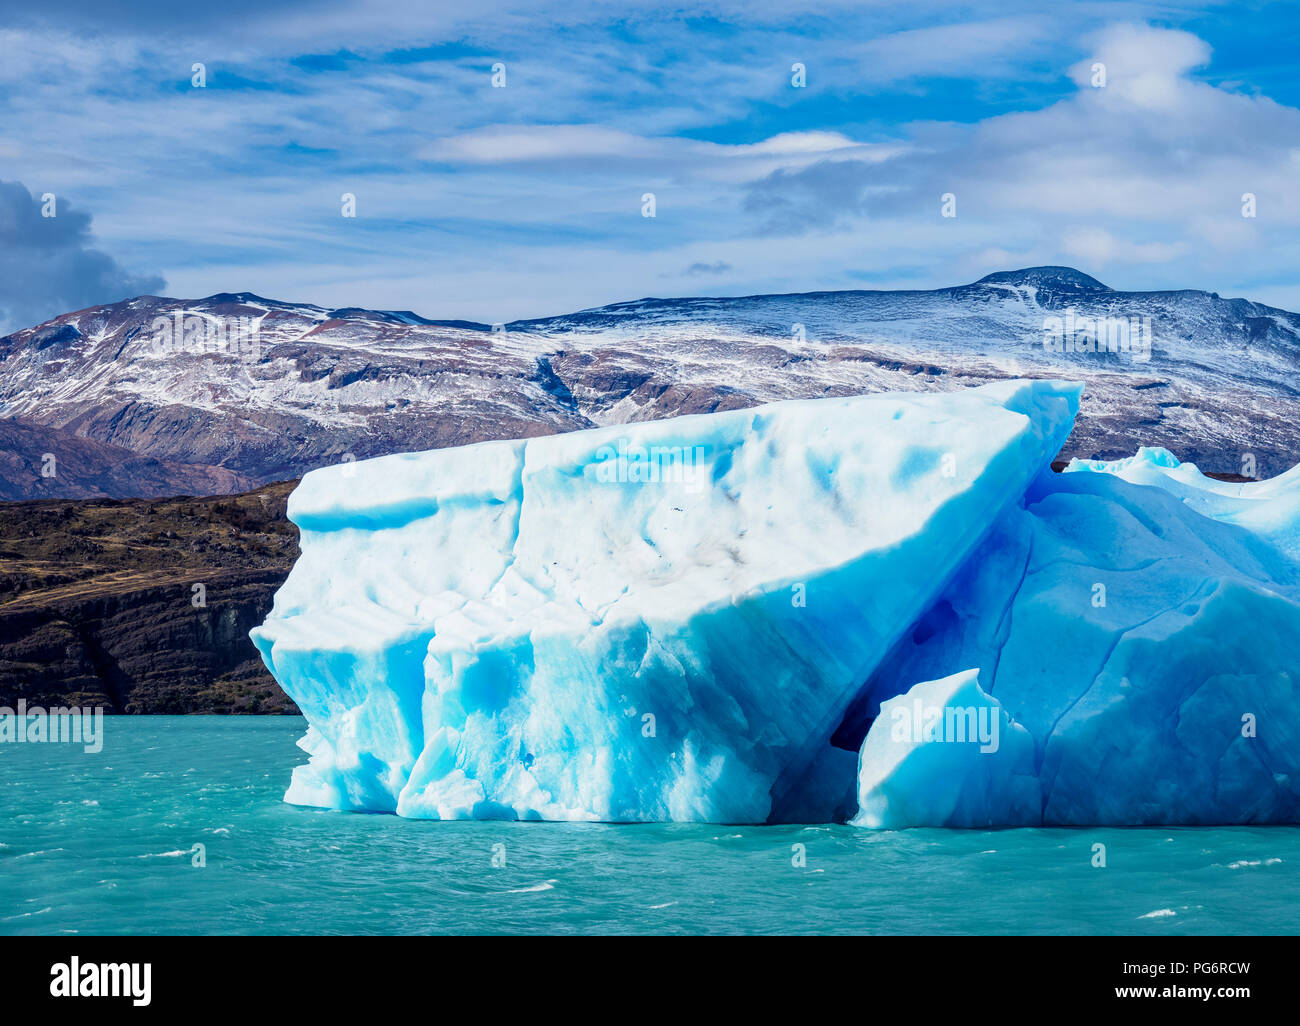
[657, 621]
[1144, 634]
[1269, 508]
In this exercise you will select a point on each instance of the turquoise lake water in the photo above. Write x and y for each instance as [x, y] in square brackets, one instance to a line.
[105, 844]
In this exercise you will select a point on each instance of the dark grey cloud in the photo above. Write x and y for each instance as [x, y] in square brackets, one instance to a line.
[696, 269]
[828, 194]
[49, 266]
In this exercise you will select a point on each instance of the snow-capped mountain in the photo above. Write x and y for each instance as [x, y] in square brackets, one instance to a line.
[266, 390]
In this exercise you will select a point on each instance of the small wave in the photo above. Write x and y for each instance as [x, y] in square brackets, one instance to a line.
[549, 885]
[666, 904]
[26, 915]
[164, 854]
[1159, 913]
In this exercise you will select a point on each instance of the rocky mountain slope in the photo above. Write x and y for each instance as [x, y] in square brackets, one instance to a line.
[37, 460]
[99, 604]
[262, 390]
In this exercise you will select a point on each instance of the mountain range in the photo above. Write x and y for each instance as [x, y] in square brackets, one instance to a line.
[155, 396]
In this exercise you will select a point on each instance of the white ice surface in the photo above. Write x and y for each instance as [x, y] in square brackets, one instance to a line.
[539, 629]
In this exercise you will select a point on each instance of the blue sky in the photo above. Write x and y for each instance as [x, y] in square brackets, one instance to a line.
[497, 203]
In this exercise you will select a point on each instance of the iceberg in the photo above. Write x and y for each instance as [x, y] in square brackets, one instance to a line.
[1139, 622]
[662, 621]
[885, 610]
[946, 754]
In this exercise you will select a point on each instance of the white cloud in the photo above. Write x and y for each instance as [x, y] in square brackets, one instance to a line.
[1096, 247]
[517, 144]
[1144, 66]
[982, 48]
[1148, 171]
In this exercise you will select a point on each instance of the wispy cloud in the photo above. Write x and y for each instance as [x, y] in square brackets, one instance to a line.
[699, 268]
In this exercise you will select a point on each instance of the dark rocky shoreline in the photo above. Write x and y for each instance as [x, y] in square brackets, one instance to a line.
[98, 604]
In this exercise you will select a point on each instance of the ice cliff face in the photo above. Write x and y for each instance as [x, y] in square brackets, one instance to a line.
[1138, 622]
[883, 609]
[664, 621]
